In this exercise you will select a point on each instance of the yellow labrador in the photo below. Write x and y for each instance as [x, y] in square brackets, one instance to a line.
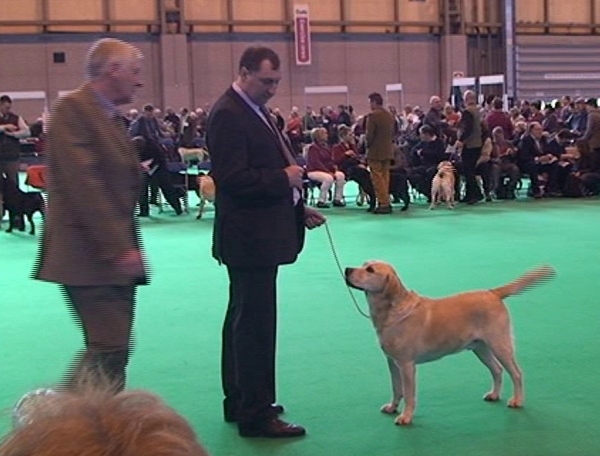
[414, 329]
[442, 185]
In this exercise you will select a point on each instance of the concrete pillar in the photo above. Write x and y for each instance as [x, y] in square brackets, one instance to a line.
[175, 71]
[454, 58]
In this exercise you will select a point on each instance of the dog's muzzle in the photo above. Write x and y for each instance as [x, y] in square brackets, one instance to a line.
[347, 273]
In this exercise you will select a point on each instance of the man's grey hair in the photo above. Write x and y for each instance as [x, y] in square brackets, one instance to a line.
[107, 52]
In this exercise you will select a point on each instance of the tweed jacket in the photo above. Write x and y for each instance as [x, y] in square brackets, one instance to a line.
[94, 182]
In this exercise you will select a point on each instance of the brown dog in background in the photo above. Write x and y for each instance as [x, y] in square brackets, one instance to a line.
[414, 329]
[206, 192]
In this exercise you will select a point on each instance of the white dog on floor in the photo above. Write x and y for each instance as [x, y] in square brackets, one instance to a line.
[442, 186]
[414, 329]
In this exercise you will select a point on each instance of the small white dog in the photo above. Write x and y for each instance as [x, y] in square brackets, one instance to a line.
[414, 329]
[442, 186]
[206, 192]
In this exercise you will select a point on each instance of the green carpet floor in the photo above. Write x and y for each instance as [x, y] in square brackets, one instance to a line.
[332, 377]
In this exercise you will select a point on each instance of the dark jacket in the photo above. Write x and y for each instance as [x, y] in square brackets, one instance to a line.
[256, 222]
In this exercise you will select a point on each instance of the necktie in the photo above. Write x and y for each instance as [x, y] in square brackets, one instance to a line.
[284, 146]
[282, 142]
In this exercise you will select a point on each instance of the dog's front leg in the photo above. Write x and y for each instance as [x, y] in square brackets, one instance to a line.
[407, 372]
[397, 393]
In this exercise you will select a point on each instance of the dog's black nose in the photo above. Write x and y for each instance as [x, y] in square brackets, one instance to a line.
[348, 271]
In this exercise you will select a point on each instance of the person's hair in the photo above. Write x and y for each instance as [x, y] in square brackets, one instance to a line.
[592, 102]
[343, 130]
[497, 130]
[376, 98]
[107, 52]
[148, 108]
[92, 421]
[5, 99]
[427, 130]
[470, 97]
[497, 103]
[533, 125]
[490, 98]
[315, 132]
[253, 56]
[537, 105]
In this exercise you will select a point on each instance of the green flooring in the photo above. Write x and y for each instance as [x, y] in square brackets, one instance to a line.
[332, 377]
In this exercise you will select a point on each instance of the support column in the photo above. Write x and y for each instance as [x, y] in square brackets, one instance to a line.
[454, 59]
[175, 71]
[509, 37]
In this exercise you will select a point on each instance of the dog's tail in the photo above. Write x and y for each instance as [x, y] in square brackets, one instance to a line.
[525, 281]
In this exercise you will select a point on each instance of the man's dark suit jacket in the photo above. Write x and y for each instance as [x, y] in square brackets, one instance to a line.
[256, 222]
[528, 149]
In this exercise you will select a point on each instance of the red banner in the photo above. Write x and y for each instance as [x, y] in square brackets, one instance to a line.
[302, 35]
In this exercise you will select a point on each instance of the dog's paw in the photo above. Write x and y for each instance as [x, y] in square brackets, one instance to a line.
[515, 403]
[403, 420]
[389, 409]
[491, 397]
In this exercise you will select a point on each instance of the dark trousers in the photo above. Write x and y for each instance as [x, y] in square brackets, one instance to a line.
[533, 169]
[105, 315]
[249, 339]
[160, 179]
[469, 165]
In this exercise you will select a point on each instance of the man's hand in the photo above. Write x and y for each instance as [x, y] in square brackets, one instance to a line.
[313, 218]
[10, 128]
[295, 174]
[131, 263]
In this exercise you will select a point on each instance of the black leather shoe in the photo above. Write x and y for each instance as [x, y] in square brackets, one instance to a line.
[229, 415]
[273, 429]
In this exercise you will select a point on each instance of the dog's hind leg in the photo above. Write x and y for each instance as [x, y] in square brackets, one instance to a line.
[31, 223]
[487, 358]
[505, 353]
[407, 372]
[392, 406]
[201, 208]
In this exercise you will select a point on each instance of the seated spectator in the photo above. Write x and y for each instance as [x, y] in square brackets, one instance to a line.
[425, 157]
[498, 118]
[577, 121]
[320, 167]
[534, 159]
[505, 159]
[348, 161]
[515, 116]
[550, 123]
[588, 169]
[93, 421]
[293, 129]
[485, 164]
[566, 162]
[452, 117]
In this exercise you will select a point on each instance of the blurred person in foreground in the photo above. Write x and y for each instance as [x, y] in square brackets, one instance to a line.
[91, 420]
[91, 244]
[260, 222]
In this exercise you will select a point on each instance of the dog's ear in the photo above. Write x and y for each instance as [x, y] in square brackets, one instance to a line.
[392, 284]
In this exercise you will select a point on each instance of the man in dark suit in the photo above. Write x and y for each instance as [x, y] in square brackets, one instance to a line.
[534, 158]
[259, 225]
[91, 245]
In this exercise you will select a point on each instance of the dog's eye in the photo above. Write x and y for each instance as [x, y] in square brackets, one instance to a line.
[370, 269]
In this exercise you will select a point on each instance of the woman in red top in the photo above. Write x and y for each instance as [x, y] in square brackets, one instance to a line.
[320, 167]
[347, 159]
